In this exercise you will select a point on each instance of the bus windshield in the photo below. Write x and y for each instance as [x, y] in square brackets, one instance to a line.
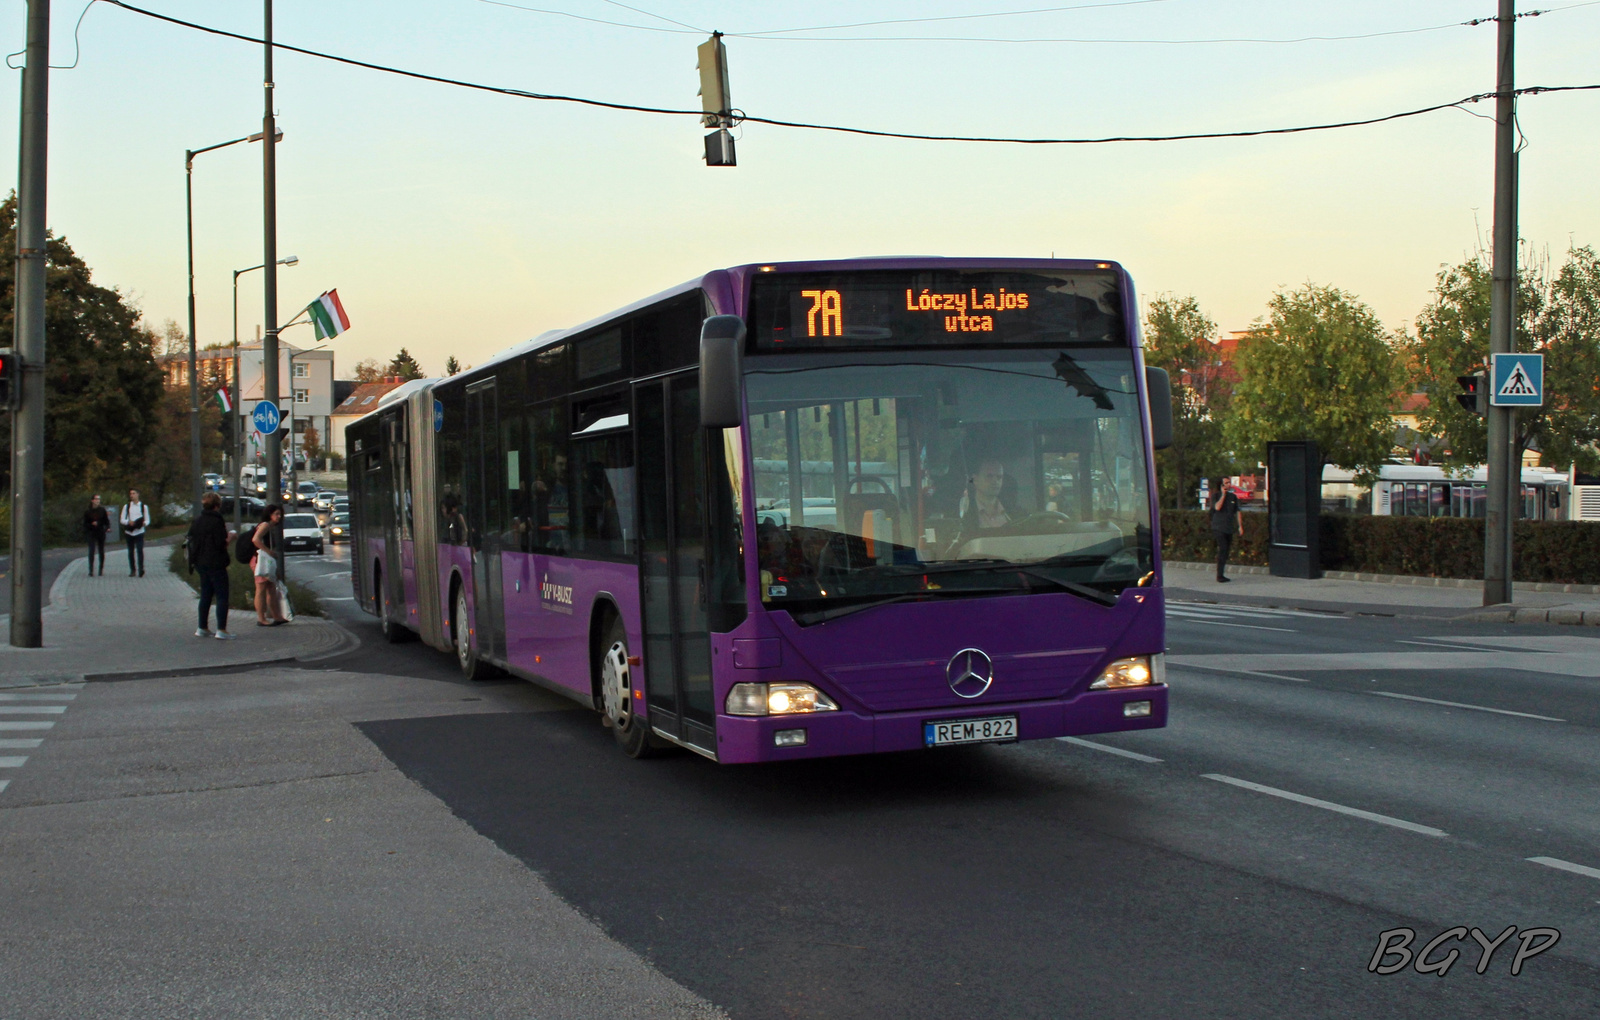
[947, 474]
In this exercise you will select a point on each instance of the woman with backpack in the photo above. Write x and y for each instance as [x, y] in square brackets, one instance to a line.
[264, 565]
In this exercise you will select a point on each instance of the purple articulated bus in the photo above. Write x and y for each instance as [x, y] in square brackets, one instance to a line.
[794, 510]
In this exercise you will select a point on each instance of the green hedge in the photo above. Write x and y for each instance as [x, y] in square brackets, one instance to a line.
[1558, 552]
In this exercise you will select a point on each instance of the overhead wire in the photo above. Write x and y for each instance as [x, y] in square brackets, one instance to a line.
[742, 117]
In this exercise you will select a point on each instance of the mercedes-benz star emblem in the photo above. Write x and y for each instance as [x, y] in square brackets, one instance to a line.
[970, 672]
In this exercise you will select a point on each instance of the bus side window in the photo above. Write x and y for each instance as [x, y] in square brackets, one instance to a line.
[552, 478]
[602, 495]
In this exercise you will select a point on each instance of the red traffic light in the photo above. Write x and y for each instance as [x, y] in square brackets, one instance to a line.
[1474, 395]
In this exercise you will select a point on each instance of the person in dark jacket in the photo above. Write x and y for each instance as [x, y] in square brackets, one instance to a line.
[97, 525]
[209, 539]
[1225, 520]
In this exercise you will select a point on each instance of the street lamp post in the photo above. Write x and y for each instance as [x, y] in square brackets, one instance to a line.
[238, 389]
[194, 380]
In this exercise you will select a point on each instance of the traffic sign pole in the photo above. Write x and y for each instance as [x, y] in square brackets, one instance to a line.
[1505, 474]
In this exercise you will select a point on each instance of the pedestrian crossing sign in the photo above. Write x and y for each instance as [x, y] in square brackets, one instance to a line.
[1517, 380]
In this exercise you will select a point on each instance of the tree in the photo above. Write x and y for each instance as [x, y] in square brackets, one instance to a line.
[404, 367]
[1318, 366]
[368, 370]
[173, 339]
[311, 443]
[1180, 338]
[451, 365]
[102, 385]
[1557, 316]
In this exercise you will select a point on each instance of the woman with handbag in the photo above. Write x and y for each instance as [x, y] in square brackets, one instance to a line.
[265, 568]
[135, 515]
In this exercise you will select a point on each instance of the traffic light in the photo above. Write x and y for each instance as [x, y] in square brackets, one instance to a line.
[1474, 395]
[716, 103]
[10, 378]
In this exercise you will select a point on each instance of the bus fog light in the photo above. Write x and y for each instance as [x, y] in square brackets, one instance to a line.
[1137, 671]
[789, 738]
[1135, 709]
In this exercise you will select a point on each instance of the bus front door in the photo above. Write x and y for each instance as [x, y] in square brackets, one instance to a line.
[670, 459]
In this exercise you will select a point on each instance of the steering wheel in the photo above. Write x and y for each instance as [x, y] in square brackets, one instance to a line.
[1041, 517]
[857, 484]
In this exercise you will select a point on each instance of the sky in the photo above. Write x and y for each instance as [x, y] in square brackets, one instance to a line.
[457, 222]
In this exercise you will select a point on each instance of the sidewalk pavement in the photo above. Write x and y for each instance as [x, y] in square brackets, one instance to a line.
[1386, 595]
[114, 626]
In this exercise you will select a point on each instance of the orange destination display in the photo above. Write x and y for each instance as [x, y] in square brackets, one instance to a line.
[915, 308]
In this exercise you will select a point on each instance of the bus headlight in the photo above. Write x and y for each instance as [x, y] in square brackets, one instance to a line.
[1137, 671]
[777, 699]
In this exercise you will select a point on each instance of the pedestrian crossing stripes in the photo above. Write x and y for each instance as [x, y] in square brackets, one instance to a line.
[19, 712]
[1244, 617]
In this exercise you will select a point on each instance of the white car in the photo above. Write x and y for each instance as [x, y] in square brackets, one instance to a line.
[300, 532]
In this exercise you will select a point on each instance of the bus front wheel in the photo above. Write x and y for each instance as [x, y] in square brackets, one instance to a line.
[617, 695]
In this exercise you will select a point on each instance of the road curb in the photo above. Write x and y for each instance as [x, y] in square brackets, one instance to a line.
[1569, 617]
[1403, 579]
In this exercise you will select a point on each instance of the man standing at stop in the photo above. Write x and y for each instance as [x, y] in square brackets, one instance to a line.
[1225, 520]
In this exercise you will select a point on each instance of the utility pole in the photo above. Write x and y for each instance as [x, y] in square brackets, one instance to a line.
[269, 313]
[194, 380]
[1505, 469]
[27, 422]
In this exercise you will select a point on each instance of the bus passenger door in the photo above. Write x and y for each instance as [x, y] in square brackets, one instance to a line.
[485, 506]
[670, 463]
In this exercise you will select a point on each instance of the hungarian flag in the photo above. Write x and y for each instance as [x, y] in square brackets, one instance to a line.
[327, 315]
[222, 398]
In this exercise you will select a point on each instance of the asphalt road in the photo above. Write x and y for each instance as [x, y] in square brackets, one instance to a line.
[1312, 791]
[1038, 879]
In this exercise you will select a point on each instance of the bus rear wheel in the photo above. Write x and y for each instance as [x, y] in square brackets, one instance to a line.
[617, 695]
[472, 667]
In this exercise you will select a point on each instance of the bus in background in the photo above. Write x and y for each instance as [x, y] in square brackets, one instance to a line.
[788, 511]
[1411, 490]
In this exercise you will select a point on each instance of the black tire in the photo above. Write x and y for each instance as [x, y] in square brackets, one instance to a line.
[617, 701]
[472, 667]
[393, 632]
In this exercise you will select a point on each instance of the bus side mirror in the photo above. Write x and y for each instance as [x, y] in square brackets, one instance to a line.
[721, 372]
[1158, 387]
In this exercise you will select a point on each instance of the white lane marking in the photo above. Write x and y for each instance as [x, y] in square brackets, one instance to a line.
[1243, 672]
[19, 744]
[1251, 626]
[12, 761]
[1135, 755]
[32, 709]
[1218, 607]
[1457, 704]
[1440, 643]
[37, 697]
[26, 725]
[338, 598]
[336, 573]
[3, 784]
[1327, 805]
[1561, 865]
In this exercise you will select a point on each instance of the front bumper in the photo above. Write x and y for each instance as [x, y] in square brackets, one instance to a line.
[742, 739]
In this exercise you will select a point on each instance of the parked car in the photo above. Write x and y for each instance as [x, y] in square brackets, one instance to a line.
[339, 528]
[300, 532]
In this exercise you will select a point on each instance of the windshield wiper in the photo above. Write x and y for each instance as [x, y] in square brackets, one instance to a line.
[1105, 598]
[823, 615]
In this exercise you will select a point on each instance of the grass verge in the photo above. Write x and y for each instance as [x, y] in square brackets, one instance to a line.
[242, 586]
